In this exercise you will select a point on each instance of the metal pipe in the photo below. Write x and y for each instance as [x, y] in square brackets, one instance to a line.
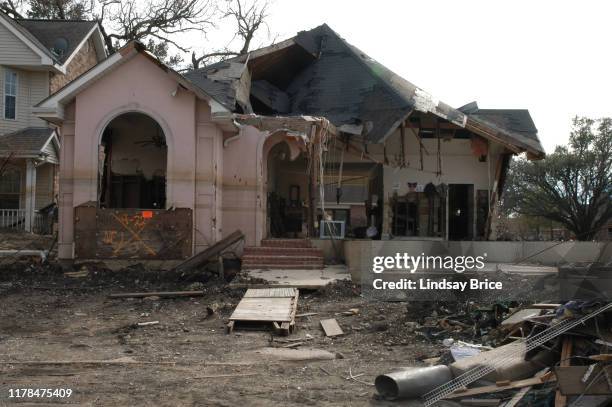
[412, 382]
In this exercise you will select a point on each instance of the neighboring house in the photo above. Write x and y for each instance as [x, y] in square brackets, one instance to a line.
[37, 57]
[159, 165]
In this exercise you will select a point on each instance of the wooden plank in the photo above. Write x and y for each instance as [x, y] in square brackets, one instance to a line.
[155, 234]
[270, 292]
[161, 294]
[214, 250]
[494, 388]
[517, 397]
[263, 309]
[331, 327]
[566, 353]
[570, 381]
[520, 317]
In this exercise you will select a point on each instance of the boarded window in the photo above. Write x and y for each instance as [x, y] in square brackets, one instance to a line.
[10, 94]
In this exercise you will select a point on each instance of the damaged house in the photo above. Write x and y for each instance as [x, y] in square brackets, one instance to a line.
[308, 137]
[37, 57]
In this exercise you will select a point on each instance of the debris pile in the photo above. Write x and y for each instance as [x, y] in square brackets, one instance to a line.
[527, 355]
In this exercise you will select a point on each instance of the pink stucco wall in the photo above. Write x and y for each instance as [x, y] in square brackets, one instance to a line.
[195, 145]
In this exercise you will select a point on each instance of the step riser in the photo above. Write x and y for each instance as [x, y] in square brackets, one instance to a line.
[281, 259]
[282, 251]
[283, 267]
[297, 243]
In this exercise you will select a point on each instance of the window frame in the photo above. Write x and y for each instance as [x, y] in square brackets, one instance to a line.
[19, 178]
[5, 94]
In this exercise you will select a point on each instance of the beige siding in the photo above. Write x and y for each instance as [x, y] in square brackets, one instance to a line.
[52, 153]
[13, 51]
[33, 86]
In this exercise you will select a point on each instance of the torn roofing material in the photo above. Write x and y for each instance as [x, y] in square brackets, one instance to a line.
[318, 73]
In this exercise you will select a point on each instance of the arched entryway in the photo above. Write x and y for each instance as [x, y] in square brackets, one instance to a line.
[132, 161]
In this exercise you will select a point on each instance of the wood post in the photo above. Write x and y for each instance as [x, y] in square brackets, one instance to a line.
[30, 195]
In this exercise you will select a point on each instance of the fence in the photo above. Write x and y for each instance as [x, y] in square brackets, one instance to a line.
[12, 219]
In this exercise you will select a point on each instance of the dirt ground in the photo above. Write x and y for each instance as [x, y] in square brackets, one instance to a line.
[187, 359]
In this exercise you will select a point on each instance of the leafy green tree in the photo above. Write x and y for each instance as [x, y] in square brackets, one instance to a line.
[572, 186]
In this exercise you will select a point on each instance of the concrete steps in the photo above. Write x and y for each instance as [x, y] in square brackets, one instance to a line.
[290, 254]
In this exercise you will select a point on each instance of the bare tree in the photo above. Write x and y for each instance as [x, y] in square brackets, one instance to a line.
[61, 9]
[248, 19]
[12, 7]
[156, 22]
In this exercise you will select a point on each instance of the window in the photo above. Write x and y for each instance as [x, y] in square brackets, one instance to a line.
[10, 94]
[10, 188]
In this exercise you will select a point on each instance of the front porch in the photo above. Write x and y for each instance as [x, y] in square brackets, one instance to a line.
[28, 182]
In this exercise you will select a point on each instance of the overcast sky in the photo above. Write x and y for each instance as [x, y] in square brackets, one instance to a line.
[551, 57]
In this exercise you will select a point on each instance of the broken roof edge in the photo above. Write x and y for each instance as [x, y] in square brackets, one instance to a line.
[51, 108]
[300, 124]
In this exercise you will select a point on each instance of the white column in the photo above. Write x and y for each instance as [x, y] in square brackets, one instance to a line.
[30, 195]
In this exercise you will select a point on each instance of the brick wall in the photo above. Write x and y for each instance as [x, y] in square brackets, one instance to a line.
[84, 59]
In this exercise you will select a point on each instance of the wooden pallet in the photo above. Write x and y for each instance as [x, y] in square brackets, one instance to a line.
[274, 307]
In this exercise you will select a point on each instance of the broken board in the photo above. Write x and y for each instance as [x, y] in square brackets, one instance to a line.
[331, 327]
[275, 307]
[571, 378]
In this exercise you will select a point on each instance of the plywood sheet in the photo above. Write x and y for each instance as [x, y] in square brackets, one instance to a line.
[331, 327]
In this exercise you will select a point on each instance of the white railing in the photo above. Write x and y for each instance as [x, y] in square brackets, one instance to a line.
[12, 219]
[43, 223]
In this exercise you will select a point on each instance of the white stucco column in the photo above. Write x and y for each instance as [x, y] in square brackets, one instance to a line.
[30, 194]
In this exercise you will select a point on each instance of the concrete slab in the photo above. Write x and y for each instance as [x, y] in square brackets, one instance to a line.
[308, 279]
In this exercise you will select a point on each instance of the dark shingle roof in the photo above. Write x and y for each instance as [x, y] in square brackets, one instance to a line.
[222, 91]
[515, 120]
[47, 32]
[29, 140]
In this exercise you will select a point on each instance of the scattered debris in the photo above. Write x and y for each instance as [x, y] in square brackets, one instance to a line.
[160, 294]
[149, 323]
[213, 251]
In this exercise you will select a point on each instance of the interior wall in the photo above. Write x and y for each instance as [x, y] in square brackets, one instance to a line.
[132, 157]
[458, 165]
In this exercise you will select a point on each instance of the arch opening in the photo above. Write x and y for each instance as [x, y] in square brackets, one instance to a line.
[287, 192]
[132, 163]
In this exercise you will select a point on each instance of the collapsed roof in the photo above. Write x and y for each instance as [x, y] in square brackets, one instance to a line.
[319, 73]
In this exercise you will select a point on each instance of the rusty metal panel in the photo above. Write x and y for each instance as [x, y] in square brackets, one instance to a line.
[85, 232]
[133, 233]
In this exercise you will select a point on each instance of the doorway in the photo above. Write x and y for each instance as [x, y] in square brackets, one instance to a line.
[460, 211]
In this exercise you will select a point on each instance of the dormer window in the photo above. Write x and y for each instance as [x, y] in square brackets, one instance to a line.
[10, 94]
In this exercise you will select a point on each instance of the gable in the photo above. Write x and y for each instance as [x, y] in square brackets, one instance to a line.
[13, 51]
